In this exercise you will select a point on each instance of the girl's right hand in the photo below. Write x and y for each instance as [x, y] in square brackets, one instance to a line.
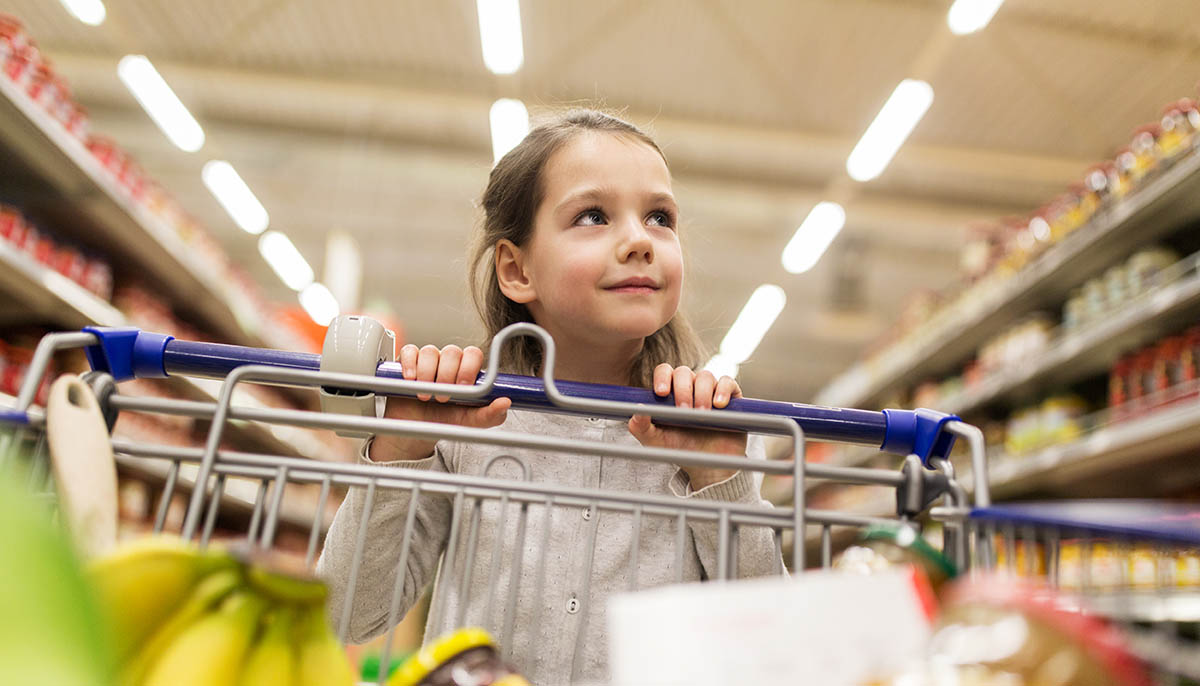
[451, 364]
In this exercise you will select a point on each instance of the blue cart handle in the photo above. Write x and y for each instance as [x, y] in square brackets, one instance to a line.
[128, 352]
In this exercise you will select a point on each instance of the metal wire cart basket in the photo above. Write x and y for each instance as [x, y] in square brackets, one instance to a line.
[509, 496]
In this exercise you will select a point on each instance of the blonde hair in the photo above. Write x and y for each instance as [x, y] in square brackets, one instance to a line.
[510, 201]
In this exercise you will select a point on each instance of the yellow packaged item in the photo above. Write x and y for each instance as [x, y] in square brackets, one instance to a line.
[466, 657]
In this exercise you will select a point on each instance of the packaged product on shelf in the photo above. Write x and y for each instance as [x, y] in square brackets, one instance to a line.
[1145, 266]
[1075, 310]
[1062, 418]
[20, 52]
[1120, 178]
[1116, 287]
[1179, 124]
[12, 37]
[1068, 212]
[1097, 182]
[14, 366]
[1144, 148]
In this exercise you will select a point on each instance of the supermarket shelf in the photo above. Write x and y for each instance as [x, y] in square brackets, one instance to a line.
[1163, 204]
[1090, 350]
[1173, 605]
[31, 141]
[1133, 443]
[37, 288]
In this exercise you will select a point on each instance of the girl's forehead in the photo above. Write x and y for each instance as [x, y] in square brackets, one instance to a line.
[606, 160]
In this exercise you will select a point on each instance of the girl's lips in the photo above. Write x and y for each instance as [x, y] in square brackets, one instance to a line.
[645, 290]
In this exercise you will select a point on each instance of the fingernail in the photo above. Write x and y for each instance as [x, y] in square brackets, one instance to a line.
[661, 388]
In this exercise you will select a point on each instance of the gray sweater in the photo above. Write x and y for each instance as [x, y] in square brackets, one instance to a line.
[546, 626]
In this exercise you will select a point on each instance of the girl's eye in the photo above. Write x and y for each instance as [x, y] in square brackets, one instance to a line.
[592, 217]
[663, 218]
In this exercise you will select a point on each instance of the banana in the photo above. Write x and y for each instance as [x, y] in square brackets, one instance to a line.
[211, 651]
[285, 587]
[143, 582]
[272, 661]
[323, 662]
[206, 595]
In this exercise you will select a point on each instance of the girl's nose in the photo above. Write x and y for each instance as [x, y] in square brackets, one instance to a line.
[635, 243]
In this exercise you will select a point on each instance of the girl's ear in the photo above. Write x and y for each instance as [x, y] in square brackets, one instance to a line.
[514, 281]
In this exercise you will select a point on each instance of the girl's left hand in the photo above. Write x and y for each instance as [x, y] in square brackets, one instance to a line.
[702, 391]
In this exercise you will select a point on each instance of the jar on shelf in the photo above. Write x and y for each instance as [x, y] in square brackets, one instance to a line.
[1178, 126]
[1120, 177]
[1144, 147]
[1145, 266]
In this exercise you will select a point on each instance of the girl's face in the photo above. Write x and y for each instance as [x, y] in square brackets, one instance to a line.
[604, 262]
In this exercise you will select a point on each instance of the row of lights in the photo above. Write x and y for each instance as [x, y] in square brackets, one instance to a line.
[175, 121]
[881, 141]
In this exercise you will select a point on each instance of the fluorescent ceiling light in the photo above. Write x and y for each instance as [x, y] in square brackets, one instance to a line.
[90, 12]
[235, 196]
[969, 16]
[813, 237]
[898, 117]
[722, 365]
[510, 124]
[752, 324]
[289, 265]
[159, 101]
[319, 303]
[500, 34]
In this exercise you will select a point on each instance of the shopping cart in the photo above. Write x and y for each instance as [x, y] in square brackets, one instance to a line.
[923, 437]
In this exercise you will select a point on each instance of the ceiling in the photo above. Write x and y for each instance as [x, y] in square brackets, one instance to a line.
[371, 116]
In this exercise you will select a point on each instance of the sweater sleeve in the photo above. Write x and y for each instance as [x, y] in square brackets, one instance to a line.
[757, 554]
[374, 585]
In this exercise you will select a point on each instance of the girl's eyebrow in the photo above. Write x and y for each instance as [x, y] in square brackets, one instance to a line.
[600, 193]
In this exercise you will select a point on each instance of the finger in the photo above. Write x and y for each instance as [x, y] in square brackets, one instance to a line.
[408, 361]
[472, 362]
[727, 388]
[492, 414]
[662, 379]
[447, 369]
[427, 364]
[682, 378]
[702, 392]
[644, 430]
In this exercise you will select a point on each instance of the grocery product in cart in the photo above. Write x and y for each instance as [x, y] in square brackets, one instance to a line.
[467, 657]
[883, 547]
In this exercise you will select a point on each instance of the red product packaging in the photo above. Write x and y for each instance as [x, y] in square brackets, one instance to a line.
[19, 66]
[1189, 363]
[70, 263]
[1118, 387]
[1141, 381]
[77, 122]
[10, 223]
[41, 247]
[12, 37]
[1167, 375]
[98, 278]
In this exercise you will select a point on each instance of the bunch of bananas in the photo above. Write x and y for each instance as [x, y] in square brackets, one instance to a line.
[182, 616]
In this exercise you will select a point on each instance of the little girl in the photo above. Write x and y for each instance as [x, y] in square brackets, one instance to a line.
[580, 236]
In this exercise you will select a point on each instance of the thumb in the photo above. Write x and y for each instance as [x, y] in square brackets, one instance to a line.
[643, 429]
[492, 414]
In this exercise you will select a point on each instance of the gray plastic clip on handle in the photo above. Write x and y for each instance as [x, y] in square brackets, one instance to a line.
[355, 345]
